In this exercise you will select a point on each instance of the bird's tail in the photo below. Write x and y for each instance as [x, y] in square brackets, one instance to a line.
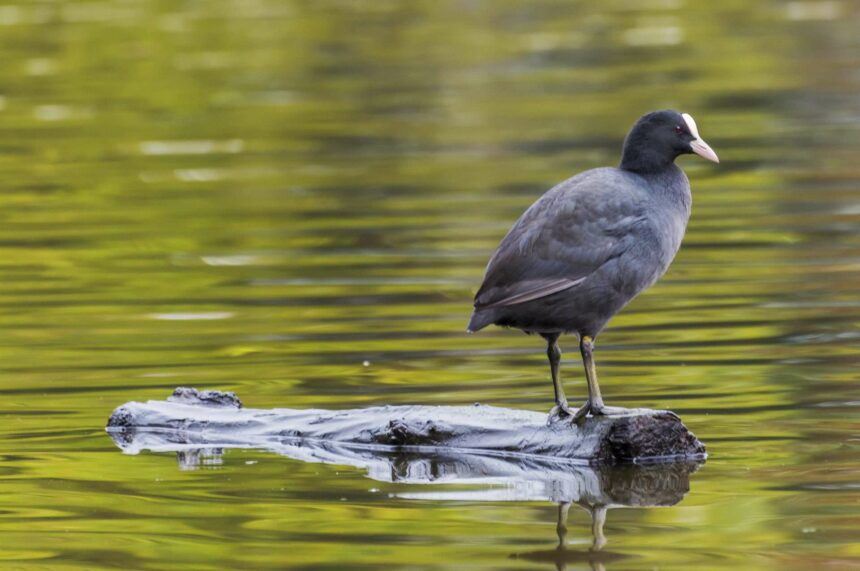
[479, 320]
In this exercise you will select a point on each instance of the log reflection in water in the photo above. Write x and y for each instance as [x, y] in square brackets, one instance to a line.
[474, 477]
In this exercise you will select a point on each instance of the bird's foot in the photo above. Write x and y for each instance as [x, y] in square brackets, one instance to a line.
[593, 409]
[560, 411]
[613, 410]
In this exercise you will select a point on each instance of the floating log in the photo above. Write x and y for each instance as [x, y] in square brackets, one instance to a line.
[213, 419]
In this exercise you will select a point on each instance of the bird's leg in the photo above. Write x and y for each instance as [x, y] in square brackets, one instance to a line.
[594, 404]
[598, 519]
[553, 352]
[586, 347]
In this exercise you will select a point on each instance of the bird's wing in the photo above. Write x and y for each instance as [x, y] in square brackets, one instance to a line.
[535, 289]
[564, 237]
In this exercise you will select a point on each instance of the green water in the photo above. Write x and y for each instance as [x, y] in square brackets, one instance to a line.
[295, 200]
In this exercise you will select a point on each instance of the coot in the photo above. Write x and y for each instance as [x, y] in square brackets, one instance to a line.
[591, 244]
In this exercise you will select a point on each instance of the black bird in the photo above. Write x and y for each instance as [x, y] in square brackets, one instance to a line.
[591, 244]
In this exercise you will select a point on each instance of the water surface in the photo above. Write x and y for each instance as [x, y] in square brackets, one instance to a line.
[295, 201]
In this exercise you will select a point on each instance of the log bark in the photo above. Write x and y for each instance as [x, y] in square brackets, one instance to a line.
[206, 419]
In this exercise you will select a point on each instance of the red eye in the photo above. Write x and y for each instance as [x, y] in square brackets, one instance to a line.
[679, 130]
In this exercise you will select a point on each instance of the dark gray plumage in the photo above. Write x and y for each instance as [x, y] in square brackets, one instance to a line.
[591, 244]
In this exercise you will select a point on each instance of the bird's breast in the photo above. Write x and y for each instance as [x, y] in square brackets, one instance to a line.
[649, 252]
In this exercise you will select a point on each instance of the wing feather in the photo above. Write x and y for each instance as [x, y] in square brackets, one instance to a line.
[536, 289]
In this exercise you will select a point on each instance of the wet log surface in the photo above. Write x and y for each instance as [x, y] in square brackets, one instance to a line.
[213, 419]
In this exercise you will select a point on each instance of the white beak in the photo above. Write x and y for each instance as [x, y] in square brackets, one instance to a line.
[702, 149]
[699, 146]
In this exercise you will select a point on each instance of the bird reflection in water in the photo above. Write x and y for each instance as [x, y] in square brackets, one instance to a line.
[596, 557]
[472, 477]
[596, 489]
[620, 486]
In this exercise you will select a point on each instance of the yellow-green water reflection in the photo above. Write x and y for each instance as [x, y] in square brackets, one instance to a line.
[260, 196]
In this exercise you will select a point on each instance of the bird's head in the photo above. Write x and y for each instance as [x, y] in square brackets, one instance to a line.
[658, 138]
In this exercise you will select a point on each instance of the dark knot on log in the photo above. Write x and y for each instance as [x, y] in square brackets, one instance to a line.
[188, 395]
